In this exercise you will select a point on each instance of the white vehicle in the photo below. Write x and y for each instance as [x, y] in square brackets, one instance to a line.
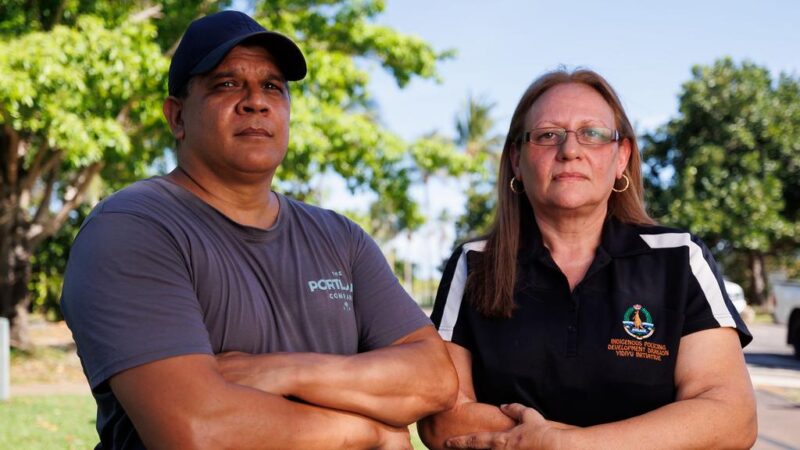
[787, 310]
[736, 293]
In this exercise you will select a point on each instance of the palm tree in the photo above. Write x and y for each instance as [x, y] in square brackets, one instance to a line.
[474, 133]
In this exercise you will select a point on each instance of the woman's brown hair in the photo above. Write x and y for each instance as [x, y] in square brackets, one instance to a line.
[491, 283]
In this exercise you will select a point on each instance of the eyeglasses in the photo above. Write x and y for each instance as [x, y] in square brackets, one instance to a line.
[556, 136]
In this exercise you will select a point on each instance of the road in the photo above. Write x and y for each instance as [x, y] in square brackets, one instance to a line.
[776, 378]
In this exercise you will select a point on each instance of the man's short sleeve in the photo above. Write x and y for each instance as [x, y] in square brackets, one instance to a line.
[384, 310]
[128, 296]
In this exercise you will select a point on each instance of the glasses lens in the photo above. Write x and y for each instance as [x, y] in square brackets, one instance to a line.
[595, 135]
[547, 136]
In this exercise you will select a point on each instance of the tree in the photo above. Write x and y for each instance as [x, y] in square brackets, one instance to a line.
[81, 86]
[79, 113]
[727, 167]
[474, 127]
[75, 102]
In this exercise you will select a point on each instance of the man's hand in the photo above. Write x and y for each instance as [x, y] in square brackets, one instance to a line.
[183, 402]
[532, 432]
[396, 385]
[468, 415]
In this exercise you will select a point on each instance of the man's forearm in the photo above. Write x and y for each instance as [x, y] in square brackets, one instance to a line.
[464, 418]
[183, 402]
[397, 384]
[289, 424]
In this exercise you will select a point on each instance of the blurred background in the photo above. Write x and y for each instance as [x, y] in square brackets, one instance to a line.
[399, 125]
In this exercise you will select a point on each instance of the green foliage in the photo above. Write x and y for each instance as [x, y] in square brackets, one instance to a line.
[88, 92]
[474, 133]
[435, 155]
[76, 100]
[334, 128]
[476, 221]
[18, 17]
[48, 266]
[728, 149]
[82, 83]
[727, 167]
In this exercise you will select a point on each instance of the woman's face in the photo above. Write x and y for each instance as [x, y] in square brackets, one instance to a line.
[570, 178]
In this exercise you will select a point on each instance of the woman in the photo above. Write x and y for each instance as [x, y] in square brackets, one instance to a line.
[610, 330]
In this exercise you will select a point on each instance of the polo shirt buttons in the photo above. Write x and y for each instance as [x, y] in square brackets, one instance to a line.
[572, 340]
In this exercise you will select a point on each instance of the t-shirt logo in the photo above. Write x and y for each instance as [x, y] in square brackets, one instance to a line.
[638, 322]
[336, 287]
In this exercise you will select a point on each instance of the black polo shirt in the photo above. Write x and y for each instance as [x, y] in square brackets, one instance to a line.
[605, 351]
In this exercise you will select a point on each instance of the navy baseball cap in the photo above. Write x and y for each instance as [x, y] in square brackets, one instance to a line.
[208, 39]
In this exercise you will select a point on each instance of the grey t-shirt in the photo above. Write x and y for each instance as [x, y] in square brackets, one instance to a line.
[155, 272]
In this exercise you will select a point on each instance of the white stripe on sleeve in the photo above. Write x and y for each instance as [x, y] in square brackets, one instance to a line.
[701, 270]
[455, 295]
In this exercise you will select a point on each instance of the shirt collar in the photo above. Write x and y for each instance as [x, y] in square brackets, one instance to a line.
[616, 239]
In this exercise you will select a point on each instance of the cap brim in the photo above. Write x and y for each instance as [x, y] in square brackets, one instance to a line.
[286, 53]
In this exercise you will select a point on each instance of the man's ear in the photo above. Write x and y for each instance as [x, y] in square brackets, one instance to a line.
[173, 112]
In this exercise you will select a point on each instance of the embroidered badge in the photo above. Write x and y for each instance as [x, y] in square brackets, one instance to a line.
[638, 322]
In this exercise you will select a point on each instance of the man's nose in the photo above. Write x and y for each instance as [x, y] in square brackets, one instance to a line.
[254, 101]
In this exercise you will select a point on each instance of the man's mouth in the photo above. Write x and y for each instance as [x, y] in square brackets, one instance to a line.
[254, 131]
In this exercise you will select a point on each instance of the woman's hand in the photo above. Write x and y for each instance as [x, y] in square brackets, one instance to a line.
[532, 432]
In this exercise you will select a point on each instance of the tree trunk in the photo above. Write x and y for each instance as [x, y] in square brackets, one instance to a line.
[20, 337]
[14, 296]
[758, 278]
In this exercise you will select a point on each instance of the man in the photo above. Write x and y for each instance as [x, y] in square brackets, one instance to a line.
[212, 312]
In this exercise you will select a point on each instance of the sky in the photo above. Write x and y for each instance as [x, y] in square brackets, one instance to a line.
[645, 49]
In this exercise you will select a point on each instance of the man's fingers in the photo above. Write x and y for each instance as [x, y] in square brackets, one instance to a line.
[514, 411]
[522, 413]
[478, 440]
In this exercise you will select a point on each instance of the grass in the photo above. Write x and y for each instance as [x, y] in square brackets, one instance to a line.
[48, 422]
[62, 422]
[45, 364]
[418, 445]
[791, 394]
[56, 421]
[763, 317]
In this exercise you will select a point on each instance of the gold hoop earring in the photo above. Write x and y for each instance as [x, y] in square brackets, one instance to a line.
[518, 188]
[627, 184]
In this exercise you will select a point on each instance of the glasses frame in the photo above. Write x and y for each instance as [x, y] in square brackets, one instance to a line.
[526, 136]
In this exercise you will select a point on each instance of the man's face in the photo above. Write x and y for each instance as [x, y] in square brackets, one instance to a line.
[235, 119]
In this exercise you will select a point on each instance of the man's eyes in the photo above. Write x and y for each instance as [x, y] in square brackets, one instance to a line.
[267, 85]
[270, 85]
[225, 84]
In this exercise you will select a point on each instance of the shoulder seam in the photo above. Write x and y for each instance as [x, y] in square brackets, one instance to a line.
[455, 295]
[701, 270]
[474, 246]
